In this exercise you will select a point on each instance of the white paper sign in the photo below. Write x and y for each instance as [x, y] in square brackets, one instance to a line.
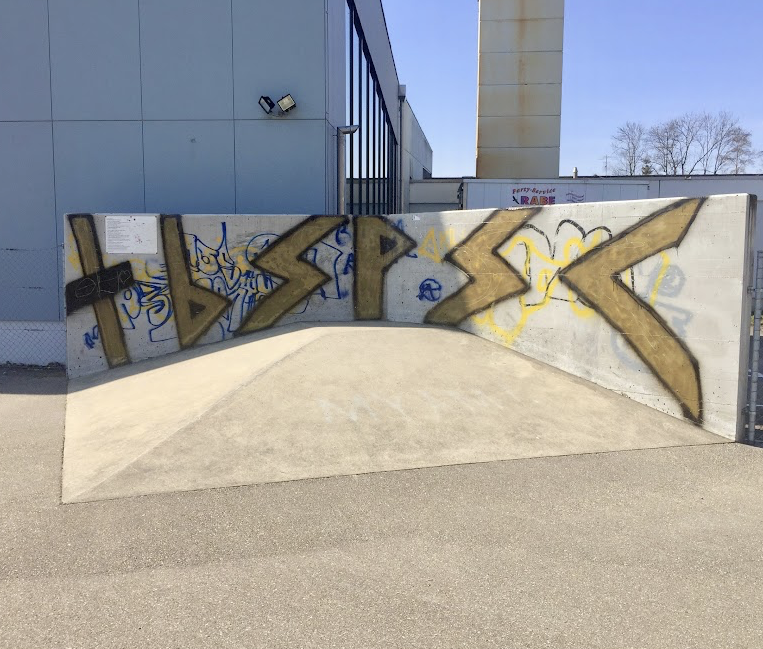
[132, 235]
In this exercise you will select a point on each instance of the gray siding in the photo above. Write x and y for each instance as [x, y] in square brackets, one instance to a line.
[25, 85]
[189, 166]
[99, 167]
[95, 60]
[186, 53]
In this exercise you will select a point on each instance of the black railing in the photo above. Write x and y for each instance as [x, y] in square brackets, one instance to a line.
[372, 151]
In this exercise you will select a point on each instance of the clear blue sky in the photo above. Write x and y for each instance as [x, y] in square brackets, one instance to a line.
[641, 61]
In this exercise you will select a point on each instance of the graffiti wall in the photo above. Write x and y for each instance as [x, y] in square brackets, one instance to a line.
[647, 298]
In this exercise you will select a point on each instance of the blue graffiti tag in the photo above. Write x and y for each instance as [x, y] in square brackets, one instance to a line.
[430, 290]
[217, 268]
[90, 337]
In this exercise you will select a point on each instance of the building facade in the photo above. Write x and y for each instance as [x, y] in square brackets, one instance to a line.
[153, 106]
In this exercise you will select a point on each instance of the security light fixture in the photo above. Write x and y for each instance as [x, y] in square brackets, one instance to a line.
[266, 103]
[286, 103]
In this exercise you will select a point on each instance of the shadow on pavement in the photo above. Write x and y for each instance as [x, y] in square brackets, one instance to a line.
[22, 379]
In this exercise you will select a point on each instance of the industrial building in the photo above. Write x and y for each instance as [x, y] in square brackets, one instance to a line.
[170, 106]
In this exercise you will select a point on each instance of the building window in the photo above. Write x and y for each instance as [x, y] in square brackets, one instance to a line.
[372, 152]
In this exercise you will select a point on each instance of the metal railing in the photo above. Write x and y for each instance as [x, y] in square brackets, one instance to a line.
[372, 165]
[755, 428]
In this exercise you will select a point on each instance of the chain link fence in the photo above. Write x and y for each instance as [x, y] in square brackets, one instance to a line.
[32, 331]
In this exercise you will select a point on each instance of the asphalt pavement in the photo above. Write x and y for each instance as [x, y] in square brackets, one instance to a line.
[637, 548]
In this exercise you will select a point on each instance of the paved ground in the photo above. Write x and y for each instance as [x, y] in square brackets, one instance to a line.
[639, 549]
[319, 401]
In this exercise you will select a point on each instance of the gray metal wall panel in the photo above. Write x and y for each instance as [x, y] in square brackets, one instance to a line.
[336, 63]
[95, 59]
[29, 269]
[184, 52]
[24, 61]
[29, 304]
[189, 167]
[27, 202]
[270, 181]
[29, 284]
[99, 167]
[292, 63]
[187, 59]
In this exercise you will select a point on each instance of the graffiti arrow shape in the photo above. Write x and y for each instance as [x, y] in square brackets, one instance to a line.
[196, 308]
[301, 278]
[492, 279]
[596, 278]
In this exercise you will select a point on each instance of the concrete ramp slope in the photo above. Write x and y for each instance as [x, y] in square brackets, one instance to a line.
[646, 298]
[317, 401]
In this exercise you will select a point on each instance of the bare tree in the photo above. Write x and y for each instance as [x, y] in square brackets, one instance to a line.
[689, 126]
[662, 142]
[736, 152]
[692, 143]
[713, 140]
[628, 146]
[726, 146]
[742, 153]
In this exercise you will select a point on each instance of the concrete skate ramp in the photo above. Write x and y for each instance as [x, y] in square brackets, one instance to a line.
[316, 401]
[646, 298]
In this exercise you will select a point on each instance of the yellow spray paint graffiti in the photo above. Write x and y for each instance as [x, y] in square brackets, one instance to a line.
[545, 284]
[436, 245]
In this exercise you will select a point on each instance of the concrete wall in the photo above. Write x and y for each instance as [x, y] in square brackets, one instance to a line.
[519, 104]
[671, 330]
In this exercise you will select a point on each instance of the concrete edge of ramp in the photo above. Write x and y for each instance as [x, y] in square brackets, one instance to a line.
[418, 397]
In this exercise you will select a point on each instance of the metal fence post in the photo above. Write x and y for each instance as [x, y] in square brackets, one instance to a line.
[758, 289]
[341, 174]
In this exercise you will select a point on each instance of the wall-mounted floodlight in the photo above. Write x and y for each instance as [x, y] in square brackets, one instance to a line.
[286, 103]
[266, 103]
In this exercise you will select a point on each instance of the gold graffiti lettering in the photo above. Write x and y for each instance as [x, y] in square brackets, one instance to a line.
[109, 328]
[283, 259]
[378, 245]
[196, 309]
[492, 279]
[596, 278]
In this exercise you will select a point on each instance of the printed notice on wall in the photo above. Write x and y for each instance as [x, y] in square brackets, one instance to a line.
[133, 235]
